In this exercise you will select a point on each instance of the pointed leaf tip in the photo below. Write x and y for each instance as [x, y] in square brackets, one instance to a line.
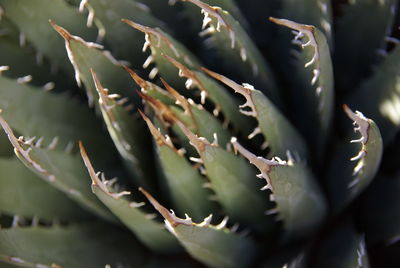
[140, 81]
[63, 32]
[170, 217]
[95, 179]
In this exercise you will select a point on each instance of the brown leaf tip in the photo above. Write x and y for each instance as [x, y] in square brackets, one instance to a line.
[63, 32]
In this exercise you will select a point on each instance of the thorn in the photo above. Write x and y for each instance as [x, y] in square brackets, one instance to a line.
[95, 179]
[272, 211]
[140, 81]
[148, 61]
[255, 132]
[158, 137]
[153, 73]
[49, 86]
[64, 33]
[244, 90]
[24, 79]
[53, 143]
[4, 68]
[15, 221]
[196, 160]
[206, 222]
[223, 223]
[170, 217]
[22, 39]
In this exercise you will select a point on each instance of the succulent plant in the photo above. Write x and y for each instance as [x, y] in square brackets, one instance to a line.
[244, 147]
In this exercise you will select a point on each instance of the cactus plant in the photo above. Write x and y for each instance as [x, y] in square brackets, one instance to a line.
[234, 144]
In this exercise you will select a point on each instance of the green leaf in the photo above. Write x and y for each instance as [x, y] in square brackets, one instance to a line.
[228, 5]
[160, 44]
[233, 181]
[278, 132]
[24, 194]
[221, 99]
[381, 197]
[185, 184]
[237, 50]
[213, 245]
[379, 96]
[358, 39]
[6, 149]
[32, 18]
[62, 170]
[203, 123]
[300, 203]
[50, 115]
[311, 84]
[24, 62]
[150, 89]
[347, 180]
[342, 247]
[148, 231]
[85, 56]
[123, 42]
[78, 246]
[313, 12]
[127, 134]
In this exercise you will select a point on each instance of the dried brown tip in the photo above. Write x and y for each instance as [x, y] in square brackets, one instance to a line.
[95, 179]
[162, 111]
[140, 81]
[292, 25]
[64, 33]
[175, 62]
[180, 99]
[137, 26]
[159, 138]
[97, 83]
[174, 221]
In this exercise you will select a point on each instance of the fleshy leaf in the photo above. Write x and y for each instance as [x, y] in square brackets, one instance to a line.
[26, 64]
[150, 89]
[312, 12]
[160, 43]
[123, 42]
[50, 115]
[228, 5]
[379, 96]
[203, 123]
[25, 194]
[236, 48]
[354, 165]
[149, 232]
[62, 170]
[80, 246]
[311, 84]
[213, 245]
[127, 134]
[341, 247]
[300, 203]
[185, 184]
[358, 40]
[32, 18]
[278, 132]
[383, 198]
[233, 181]
[85, 56]
[220, 98]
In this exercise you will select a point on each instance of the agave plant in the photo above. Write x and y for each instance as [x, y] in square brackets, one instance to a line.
[235, 143]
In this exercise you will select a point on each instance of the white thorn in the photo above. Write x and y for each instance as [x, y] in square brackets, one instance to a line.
[53, 143]
[255, 132]
[153, 73]
[24, 79]
[148, 61]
